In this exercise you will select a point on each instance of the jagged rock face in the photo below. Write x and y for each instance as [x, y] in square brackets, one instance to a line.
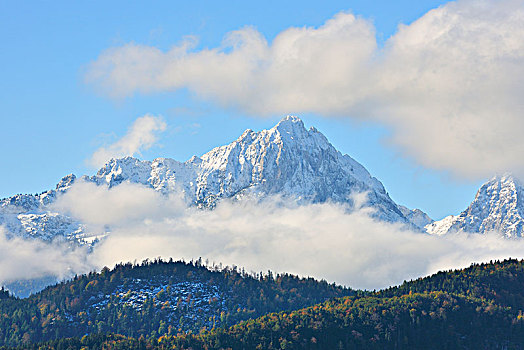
[29, 216]
[498, 206]
[286, 160]
[416, 216]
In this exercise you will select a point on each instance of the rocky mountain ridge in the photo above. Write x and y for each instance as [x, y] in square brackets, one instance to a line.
[287, 160]
[498, 207]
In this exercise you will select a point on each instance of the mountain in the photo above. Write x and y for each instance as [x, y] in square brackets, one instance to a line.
[287, 160]
[154, 298]
[498, 206]
[479, 307]
[416, 216]
[30, 216]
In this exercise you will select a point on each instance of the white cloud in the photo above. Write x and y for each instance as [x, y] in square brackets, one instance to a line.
[140, 136]
[125, 204]
[32, 258]
[452, 85]
[448, 85]
[320, 240]
[302, 67]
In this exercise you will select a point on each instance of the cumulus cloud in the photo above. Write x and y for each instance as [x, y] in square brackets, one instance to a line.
[451, 86]
[125, 204]
[22, 259]
[319, 240]
[142, 134]
[448, 85]
[304, 67]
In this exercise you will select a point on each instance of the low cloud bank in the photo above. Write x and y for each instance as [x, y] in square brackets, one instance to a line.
[22, 259]
[319, 240]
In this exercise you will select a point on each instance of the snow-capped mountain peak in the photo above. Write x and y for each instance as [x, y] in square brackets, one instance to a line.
[287, 160]
[498, 206]
[292, 127]
[66, 182]
[416, 216]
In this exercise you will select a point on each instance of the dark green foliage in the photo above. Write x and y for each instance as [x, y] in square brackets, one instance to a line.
[475, 308]
[4, 294]
[501, 282]
[97, 303]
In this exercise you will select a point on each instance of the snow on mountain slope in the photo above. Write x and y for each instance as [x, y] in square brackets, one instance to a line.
[498, 206]
[29, 216]
[287, 161]
[416, 216]
[441, 227]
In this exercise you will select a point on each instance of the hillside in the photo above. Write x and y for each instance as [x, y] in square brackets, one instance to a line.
[499, 282]
[154, 298]
[475, 308]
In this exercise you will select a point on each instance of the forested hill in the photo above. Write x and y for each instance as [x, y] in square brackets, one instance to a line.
[501, 282]
[153, 299]
[475, 308]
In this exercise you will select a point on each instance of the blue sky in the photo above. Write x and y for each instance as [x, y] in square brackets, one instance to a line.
[53, 121]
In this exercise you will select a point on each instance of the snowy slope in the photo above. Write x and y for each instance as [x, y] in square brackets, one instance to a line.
[28, 216]
[416, 216]
[498, 206]
[287, 160]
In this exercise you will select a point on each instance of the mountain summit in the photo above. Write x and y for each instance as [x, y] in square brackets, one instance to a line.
[287, 160]
[498, 206]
